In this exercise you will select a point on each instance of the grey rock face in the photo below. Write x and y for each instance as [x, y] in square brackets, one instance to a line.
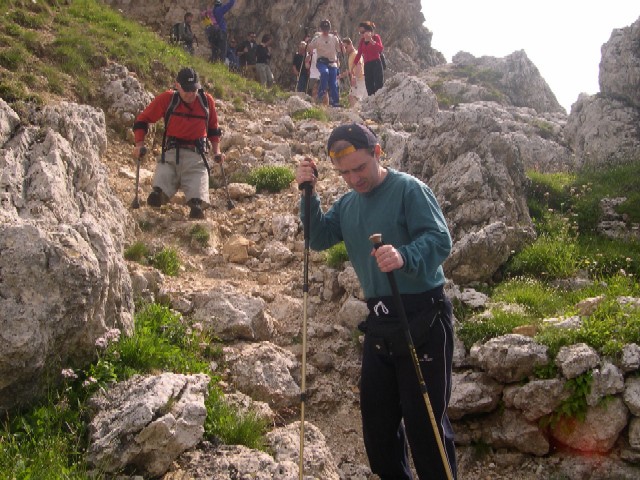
[64, 280]
[407, 41]
[620, 65]
[603, 131]
[517, 77]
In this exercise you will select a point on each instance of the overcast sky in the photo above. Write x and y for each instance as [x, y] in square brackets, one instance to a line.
[561, 37]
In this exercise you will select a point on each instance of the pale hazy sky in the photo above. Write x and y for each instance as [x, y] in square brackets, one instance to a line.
[561, 37]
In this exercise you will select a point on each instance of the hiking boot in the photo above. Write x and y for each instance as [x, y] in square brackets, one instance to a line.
[196, 208]
[156, 198]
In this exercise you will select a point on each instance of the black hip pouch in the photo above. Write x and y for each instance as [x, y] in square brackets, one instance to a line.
[385, 330]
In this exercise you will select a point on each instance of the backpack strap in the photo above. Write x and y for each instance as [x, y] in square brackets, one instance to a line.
[175, 100]
[201, 143]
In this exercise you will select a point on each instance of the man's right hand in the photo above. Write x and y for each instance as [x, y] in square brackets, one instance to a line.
[306, 172]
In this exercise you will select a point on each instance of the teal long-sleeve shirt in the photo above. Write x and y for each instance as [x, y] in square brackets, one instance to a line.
[405, 211]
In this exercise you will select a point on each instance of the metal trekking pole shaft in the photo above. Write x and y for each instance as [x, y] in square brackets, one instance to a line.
[230, 204]
[376, 239]
[136, 201]
[307, 187]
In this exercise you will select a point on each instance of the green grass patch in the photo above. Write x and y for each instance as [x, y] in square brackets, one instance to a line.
[538, 299]
[313, 113]
[162, 341]
[225, 424]
[271, 178]
[499, 323]
[77, 37]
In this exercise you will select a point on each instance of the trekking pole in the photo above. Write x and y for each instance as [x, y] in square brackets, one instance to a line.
[136, 202]
[376, 239]
[307, 187]
[230, 204]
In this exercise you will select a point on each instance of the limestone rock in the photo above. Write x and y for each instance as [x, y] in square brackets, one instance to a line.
[147, 422]
[64, 281]
[598, 432]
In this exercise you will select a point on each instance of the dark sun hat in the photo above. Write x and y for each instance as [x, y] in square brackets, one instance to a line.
[188, 79]
[359, 136]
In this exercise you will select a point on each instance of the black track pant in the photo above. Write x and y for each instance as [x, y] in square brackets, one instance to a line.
[390, 392]
[373, 76]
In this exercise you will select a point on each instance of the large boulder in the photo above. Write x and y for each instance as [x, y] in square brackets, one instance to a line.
[515, 77]
[147, 422]
[64, 281]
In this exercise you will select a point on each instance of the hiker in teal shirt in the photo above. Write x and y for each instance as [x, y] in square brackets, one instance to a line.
[416, 239]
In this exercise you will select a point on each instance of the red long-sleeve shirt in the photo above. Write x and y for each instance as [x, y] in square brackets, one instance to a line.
[369, 50]
[187, 128]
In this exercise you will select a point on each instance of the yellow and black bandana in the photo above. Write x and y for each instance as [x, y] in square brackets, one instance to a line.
[358, 135]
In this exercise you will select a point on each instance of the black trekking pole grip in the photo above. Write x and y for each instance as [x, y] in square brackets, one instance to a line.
[376, 239]
[308, 185]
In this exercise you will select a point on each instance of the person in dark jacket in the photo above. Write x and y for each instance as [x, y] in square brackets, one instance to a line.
[416, 238]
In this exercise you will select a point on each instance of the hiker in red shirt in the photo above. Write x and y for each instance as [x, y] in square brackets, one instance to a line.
[190, 119]
[370, 48]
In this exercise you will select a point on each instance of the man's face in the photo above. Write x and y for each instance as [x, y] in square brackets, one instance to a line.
[187, 97]
[360, 169]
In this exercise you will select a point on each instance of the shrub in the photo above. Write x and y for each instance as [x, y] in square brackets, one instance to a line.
[271, 178]
[337, 255]
[224, 424]
[136, 252]
[166, 261]
[575, 406]
[200, 235]
[162, 341]
[313, 113]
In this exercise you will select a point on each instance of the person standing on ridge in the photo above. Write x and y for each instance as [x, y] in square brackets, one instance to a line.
[328, 47]
[370, 48]
[220, 45]
[185, 35]
[190, 120]
[263, 55]
[355, 74]
[247, 55]
[406, 213]
[299, 68]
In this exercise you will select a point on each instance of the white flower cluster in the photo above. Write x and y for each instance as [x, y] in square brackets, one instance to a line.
[112, 335]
